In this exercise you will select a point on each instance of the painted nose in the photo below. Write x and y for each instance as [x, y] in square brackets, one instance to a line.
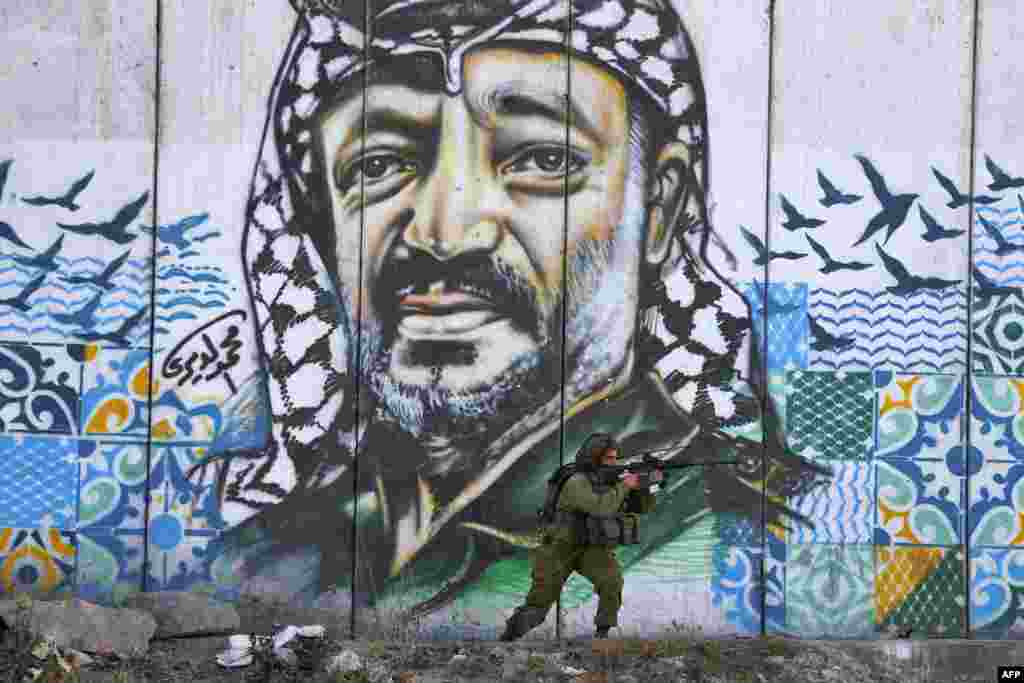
[452, 214]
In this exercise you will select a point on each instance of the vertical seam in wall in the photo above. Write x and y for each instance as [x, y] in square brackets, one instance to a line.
[766, 397]
[565, 271]
[357, 371]
[976, 30]
[152, 293]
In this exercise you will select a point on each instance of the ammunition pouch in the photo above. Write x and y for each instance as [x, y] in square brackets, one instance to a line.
[620, 529]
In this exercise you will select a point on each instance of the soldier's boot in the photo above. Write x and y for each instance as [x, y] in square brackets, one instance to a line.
[522, 621]
[602, 632]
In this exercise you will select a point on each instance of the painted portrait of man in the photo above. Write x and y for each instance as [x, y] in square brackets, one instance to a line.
[476, 234]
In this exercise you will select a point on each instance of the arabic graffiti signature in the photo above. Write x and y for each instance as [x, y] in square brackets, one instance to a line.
[214, 347]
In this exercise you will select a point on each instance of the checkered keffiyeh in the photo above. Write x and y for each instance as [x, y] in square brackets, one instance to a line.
[698, 326]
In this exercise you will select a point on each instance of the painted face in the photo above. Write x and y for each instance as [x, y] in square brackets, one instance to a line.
[471, 208]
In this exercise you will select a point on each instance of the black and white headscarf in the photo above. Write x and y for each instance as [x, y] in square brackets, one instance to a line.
[696, 326]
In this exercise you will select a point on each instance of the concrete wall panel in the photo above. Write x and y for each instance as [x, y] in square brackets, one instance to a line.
[76, 189]
[871, 115]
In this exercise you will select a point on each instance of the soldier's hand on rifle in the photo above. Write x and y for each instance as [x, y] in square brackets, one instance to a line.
[631, 480]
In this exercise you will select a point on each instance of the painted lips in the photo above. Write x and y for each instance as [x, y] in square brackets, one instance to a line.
[444, 314]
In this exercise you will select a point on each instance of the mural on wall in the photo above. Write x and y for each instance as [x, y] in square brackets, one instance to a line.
[411, 326]
[474, 234]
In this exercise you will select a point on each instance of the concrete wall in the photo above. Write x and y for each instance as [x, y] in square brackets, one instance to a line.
[310, 302]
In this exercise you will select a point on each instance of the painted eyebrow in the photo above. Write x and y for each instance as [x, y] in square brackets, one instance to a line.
[395, 120]
[511, 101]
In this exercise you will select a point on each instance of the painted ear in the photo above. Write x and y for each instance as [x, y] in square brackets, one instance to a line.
[671, 191]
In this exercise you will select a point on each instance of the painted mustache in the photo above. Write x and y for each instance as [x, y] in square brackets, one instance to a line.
[422, 284]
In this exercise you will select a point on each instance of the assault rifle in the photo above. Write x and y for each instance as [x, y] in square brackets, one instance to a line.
[648, 464]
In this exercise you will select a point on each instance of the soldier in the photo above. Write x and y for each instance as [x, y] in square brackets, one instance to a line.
[563, 551]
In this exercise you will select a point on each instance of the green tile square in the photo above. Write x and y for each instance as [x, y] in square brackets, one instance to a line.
[830, 415]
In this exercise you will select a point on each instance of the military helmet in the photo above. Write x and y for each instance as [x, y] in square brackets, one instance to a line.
[593, 449]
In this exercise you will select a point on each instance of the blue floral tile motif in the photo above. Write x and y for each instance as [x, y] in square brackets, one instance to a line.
[918, 415]
[996, 513]
[112, 492]
[830, 591]
[39, 388]
[115, 393]
[997, 593]
[189, 505]
[842, 511]
[787, 322]
[997, 329]
[185, 565]
[109, 564]
[38, 482]
[736, 586]
[997, 417]
[920, 502]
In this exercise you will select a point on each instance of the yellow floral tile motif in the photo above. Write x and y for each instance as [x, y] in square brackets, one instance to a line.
[35, 560]
[899, 570]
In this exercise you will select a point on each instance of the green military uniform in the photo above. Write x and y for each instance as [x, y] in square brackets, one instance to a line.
[560, 554]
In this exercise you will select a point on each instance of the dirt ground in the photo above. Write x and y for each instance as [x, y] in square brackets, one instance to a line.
[750, 660]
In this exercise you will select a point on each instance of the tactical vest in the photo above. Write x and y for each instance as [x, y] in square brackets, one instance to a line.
[618, 529]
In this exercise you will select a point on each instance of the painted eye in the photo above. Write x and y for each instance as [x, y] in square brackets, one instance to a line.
[547, 161]
[373, 169]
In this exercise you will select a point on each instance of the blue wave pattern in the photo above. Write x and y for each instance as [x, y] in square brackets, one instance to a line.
[842, 512]
[1007, 269]
[183, 293]
[925, 332]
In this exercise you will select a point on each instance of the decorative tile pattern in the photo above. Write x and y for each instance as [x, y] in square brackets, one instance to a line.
[177, 563]
[174, 420]
[996, 513]
[997, 328]
[39, 561]
[997, 592]
[864, 330]
[997, 418]
[842, 511]
[787, 322]
[918, 415]
[115, 390]
[112, 478]
[920, 501]
[38, 482]
[190, 505]
[109, 564]
[830, 590]
[921, 587]
[39, 388]
[830, 415]
[736, 586]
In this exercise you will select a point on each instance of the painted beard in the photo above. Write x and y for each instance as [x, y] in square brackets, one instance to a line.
[507, 384]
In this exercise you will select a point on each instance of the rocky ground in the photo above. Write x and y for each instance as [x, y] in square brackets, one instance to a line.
[173, 653]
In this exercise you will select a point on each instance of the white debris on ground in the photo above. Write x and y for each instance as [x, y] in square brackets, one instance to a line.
[241, 647]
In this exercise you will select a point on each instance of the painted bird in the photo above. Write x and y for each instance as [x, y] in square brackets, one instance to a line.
[832, 194]
[175, 232]
[987, 288]
[832, 265]
[20, 301]
[763, 255]
[118, 337]
[5, 169]
[957, 198]
[101, 279]
[1000, 179]
[796, 220]
[932, 230]
[7, 233]
[45, 261]
[894, 207]
[907, 284]
[1003, 246]
[84, 317]
[67, 200]
[114, 230]
[823, 341]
